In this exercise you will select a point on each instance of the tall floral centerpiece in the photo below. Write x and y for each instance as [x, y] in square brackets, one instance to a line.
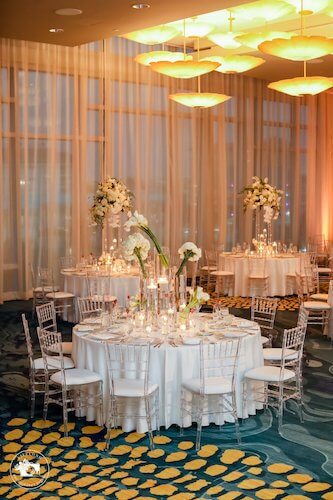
[260, 195]
[111, 198]
[137, 247]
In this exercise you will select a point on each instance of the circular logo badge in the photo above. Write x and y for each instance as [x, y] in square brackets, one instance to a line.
[29, 469]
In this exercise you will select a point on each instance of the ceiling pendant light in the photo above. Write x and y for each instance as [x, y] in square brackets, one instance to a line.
[264, 9]
[303, 85]
[199, 99]
[300, 47]
[195, 28]
[184, 68]
[226, 40]
[160, 55]
[235, 63]
[309, 6]
[154, 35]
[253, 40]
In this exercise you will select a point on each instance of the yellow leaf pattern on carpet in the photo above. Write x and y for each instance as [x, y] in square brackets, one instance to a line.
[195, 464]
[279, 468]
[176, 456]
[231, 456]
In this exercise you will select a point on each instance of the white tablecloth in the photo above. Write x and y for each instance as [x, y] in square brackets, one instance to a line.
[169, 367]
[121, 286]
[277, 269]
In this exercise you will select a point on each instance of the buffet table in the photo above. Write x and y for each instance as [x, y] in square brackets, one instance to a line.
[172, 361]
[277, 268]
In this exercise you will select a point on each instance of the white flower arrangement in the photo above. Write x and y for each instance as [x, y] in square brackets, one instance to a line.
[188, 251]
[137, 246]
[197, 298]
[139, 221]
[262, 194]
[111, 198]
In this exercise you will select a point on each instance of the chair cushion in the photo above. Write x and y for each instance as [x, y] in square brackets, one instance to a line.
[54, 362]
[39, 364]
[60, 295]
[213, 385]
[222, 273]
[205, 268]
[319, 296]
[103, 298]
[275, 354]
[325, 270]
[254, 277]
[315, 304]
[130, 388]
[39, 289]
[264, 339]
[269, 374]
[76, 376]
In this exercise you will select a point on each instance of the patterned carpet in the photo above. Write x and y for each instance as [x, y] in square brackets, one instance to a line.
[298, 464]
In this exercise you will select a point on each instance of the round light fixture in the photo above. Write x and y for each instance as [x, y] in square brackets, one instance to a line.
[303, 85]
[68, 12]
[195, 28]
[199, 99]
[253, 40]
[264, 9]
[160, 55]
[184, 69]
[225, 40]
[309, 6]
[56, 30]
[139, 6]
[298, 48]
[154, 35]
[236, 63]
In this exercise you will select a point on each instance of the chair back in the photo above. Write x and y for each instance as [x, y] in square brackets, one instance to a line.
[263, 311]
[293, 339]
[98, 287]
[28, 339]
[300, 288]
[257, 267]
[303, 316]
[67, 261]
[87, 307]
[211, 258]
[47, 317]
[51, 347]
[45, 279]
[129, 362]
[217, 360]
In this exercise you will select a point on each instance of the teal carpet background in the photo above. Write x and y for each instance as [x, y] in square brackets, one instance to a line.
[82, 469]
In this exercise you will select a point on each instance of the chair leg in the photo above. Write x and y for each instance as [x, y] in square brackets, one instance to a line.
[65, 412]
[148, 417]
[46, 401]
[182, 413]
[280, 407]
[199, 426]
[157, 411]
[234, 413]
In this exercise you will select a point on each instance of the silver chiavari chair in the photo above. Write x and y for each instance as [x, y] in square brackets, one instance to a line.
[258, 279]
[47, 320]
[318, 310]
[217, 378]
[88, 307]
[129, 379]
[71, 388]
[282, 382]
[263, 312]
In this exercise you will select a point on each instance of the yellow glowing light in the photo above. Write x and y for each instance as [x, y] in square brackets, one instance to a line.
[298, 48]
[263, 9]
[154, 35]
[303, 85]
[329, 12]
[195, 28]
[199, 99]
[253, 40]
[236, 63]
[309, 6]
[184, 69]
[160, 55]
[226, 40]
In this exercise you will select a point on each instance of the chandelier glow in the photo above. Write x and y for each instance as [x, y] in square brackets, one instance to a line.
[264, 9]
[154, 35]
[184, 69]
[298, 48]
[160, 55]
[225, 40]
[303, 85]
[236, 63]
[309, 6]
[253, 40]
[199, 99]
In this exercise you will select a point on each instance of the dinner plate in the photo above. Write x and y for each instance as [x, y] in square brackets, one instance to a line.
[103, 336]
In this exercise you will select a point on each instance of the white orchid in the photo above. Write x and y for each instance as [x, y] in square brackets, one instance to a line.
[135, 220]
[197, 297]
[191, 248]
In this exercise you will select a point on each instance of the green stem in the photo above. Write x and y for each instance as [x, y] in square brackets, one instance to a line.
[188, 254]
[163, 258]
[138, 255]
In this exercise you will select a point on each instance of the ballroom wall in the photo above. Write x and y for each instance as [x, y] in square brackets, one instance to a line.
[71, 116]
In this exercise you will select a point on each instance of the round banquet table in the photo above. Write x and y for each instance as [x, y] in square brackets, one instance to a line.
[277, 269]
[121, 286]
[169, 366]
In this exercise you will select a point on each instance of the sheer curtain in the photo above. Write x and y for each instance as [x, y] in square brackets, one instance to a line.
[71, 116]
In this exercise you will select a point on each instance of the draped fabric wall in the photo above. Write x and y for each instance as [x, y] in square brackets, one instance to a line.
[71, 116]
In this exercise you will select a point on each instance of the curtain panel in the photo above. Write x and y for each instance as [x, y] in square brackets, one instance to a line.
[72, 116]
